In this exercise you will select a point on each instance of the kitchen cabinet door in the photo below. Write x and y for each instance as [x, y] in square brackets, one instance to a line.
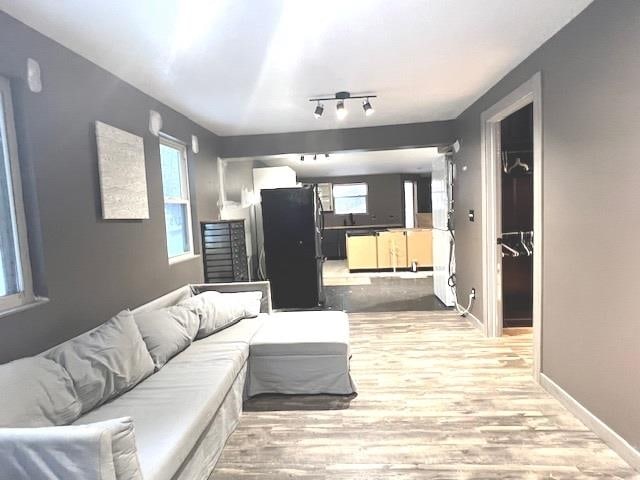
[420, 247]
[392, 249]
[362, 252]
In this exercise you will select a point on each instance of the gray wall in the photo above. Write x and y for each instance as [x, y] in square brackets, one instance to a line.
[88, 267]
[431, 134]
[591, 117]
[239, 174]
[385, 199]
[591, 112]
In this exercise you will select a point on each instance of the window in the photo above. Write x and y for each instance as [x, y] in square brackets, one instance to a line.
[177, 206]
[16, 288]
[350, 198]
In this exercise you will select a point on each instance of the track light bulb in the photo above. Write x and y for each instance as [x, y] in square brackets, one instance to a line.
[341, 111]
[366, 106]
[319, 110]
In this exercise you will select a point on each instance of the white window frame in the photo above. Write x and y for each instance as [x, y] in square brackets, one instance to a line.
[10, 303]
[184, 200]
[366, 197]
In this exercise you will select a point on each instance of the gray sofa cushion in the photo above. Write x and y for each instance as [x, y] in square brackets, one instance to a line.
[105, 361]
[173, 407]
[204, 307]
[167, 332]
[36, 392]
[248, 301]
[221, 310]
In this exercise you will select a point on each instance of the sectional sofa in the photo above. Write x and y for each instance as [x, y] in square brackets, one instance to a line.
[112, 404]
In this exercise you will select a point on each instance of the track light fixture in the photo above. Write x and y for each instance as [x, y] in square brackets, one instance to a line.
[341, 112]
[315, 156]
[366, 106]
[341, 108]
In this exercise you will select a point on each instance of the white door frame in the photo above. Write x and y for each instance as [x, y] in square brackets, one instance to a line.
[528, 92]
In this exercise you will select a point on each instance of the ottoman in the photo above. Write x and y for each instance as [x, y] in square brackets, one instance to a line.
[304, 352]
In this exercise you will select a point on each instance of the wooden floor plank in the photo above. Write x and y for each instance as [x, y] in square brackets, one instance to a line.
[436, 400]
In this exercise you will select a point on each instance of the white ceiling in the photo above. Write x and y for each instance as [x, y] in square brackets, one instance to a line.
[250, 66]
[409, 160]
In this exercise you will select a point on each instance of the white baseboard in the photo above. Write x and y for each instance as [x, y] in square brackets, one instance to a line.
[473, 320]
[593, 423]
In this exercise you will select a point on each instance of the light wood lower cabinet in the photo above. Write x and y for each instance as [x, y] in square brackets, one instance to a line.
[362, 252]
[392, 249]
[420, 247]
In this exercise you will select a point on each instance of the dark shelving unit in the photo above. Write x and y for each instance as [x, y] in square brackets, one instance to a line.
[224, 251]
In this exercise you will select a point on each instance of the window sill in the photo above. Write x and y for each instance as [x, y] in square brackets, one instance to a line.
[183, 258]
[27, 306]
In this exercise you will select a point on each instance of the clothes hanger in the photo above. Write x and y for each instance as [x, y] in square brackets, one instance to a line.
[518, 163]
[524, 245]
[505, 162]
[513, 251]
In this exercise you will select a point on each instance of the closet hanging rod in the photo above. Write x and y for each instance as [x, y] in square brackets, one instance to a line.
[518, 151]
[518, 233]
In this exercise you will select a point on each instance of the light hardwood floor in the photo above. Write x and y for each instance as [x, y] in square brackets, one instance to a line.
[436, 401]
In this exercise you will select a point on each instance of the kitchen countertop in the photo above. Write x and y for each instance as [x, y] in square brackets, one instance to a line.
[355, 227]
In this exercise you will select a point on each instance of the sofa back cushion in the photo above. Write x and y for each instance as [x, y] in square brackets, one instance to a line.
[105, 361]
[36, 392]
[220, 310]
[167, 332]
[204, 307]
[250, 302]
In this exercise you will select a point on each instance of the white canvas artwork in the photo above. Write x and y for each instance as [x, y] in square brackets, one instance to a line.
[123, 179]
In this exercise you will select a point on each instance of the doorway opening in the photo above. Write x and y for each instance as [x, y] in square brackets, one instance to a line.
[512, 214]
[410, 203]
[381, 248]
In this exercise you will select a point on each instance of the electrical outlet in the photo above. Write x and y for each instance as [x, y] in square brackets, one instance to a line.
[473, 293]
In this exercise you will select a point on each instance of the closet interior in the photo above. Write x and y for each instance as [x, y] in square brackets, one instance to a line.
[516, 140]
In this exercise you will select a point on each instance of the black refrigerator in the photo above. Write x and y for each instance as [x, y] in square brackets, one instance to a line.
[292, 226]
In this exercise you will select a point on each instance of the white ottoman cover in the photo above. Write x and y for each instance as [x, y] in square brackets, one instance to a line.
[304, 352]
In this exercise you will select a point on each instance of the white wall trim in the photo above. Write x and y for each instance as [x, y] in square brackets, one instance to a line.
[473, 320]
[529, 92]
[593, 423]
